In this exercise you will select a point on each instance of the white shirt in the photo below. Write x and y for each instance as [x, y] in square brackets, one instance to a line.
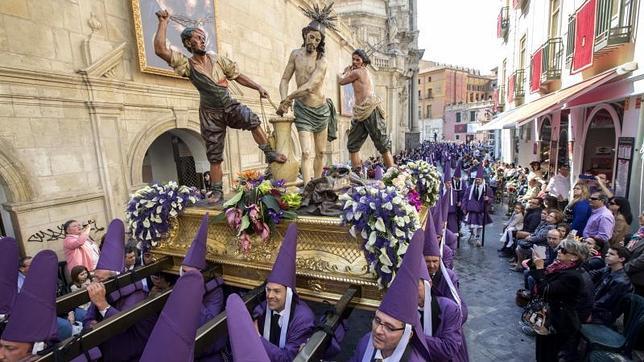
[379, 356]
[559, 185]
[281, 314]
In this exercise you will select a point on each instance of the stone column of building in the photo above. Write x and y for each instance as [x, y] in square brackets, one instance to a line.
[412, 138]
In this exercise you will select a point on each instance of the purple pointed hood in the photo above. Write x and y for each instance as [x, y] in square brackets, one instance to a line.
[401, 299]
[437, 217]
[173, 336]
[457, 172]
[113, 250]
[284, 268]
[447, 173]
[479, 172]
[196, 255]
[245, 343]
[33, 318]
[444, 208]
[8, 274]
[430, 247]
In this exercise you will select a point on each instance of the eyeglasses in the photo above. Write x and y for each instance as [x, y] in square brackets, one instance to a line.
[386, 327]
[594, 198]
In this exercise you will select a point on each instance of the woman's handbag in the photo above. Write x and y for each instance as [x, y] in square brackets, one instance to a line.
[537, 315]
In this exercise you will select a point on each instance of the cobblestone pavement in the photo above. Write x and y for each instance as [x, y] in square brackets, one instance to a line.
[488, 287]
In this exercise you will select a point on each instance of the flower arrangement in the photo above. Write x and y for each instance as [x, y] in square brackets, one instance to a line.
[400, 179]
[427, 179]
[257, 206]
[386, 221]
[149, 210]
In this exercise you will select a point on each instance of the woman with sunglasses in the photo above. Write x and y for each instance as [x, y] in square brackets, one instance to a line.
[562, 285]
[621, 209]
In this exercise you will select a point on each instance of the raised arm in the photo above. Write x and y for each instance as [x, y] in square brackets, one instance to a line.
[160, 37]
[288, 74]
[349, 76]
[316, 78]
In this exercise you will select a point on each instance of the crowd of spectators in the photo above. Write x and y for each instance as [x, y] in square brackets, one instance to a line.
[578, 249]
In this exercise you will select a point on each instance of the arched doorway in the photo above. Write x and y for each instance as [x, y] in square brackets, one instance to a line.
[6, 226]
[562, 153]
[545, 136]
[599, 146]
[176, 155]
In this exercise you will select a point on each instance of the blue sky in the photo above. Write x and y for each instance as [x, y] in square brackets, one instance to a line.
[460, 32]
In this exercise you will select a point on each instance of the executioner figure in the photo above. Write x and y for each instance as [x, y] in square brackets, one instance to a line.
[368, 114]
[314, 113]
[210, 73]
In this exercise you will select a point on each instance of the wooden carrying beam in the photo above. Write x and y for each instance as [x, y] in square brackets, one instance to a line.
[105, 329]
[216, 327]
[70, 301]
[317, 344]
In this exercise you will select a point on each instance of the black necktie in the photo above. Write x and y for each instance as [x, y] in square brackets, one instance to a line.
[275, 329]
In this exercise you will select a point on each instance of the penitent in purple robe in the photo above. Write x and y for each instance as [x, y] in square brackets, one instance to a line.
[450, 239]
[300, 328]
[474, 207]
[441, 289]
[447, 343]
[129, 345]
[448, 257]
[415, 354]
[212, 304]
[452, 218]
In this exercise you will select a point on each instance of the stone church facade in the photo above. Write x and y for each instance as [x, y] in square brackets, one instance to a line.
[79, 120]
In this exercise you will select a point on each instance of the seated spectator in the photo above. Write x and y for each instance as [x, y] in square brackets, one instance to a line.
[561, 284]
[578, 211]
[551, 217]
[613, 284]
[79, 248]
[532, 191]
[23, 268]
[601, 223]
[621, 210]
[531, 219]
[515, 223]
[551, 202]
[596, 259]
[564, 229]
[635, 266]
[554, 239]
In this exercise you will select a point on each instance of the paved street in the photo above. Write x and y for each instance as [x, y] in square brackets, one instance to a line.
[488, 287]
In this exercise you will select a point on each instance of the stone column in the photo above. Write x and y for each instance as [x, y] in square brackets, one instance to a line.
[412, 138]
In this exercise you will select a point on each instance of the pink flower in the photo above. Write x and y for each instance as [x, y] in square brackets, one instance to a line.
[244, 241]
[233, 216]
[414, 199]
[253, 213]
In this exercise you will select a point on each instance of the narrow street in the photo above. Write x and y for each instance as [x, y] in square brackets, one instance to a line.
[488, 287]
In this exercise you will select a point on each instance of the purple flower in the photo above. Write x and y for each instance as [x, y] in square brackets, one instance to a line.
[233, 216]
[244, 241]
[279, 183]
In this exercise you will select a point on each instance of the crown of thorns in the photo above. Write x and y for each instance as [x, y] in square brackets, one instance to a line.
[322, 16]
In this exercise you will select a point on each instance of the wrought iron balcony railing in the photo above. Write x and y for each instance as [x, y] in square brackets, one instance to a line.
[613, 26]
[551, 60]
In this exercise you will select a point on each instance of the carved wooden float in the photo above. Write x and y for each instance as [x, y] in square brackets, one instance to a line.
[329, 259]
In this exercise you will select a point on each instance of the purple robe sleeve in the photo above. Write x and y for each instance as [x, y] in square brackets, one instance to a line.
[448, 257]
[212, 305]
[360, 348]
[300, 330]
[447, 341]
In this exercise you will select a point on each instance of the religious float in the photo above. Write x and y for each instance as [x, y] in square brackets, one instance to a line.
[361, 245]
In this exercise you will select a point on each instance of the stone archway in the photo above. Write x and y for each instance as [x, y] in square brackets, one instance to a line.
[144, 140]
[610, 120]
[13, 177]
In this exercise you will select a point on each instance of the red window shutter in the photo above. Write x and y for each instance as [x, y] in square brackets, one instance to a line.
[535, 71]
[495, 98]
[582, 57]
[511, 88]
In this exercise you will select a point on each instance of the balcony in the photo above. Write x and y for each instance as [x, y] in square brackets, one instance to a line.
[502, 23]
[613, 25]
[551, 60]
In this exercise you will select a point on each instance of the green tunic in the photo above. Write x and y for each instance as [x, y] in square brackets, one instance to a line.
[309, 119]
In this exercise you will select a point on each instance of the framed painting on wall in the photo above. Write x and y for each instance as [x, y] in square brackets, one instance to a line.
[195, 13]
[347, 100]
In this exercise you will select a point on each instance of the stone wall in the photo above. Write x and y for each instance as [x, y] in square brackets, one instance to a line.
[77, 115]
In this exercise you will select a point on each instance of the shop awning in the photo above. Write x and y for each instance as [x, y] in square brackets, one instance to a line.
[527, 112]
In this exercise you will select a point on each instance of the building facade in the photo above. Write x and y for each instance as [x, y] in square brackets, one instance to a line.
[570, 85]
[462, 121]
[85, 119]
[441, 86]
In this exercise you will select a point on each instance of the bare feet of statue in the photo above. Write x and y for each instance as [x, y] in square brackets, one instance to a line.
[215, 200]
